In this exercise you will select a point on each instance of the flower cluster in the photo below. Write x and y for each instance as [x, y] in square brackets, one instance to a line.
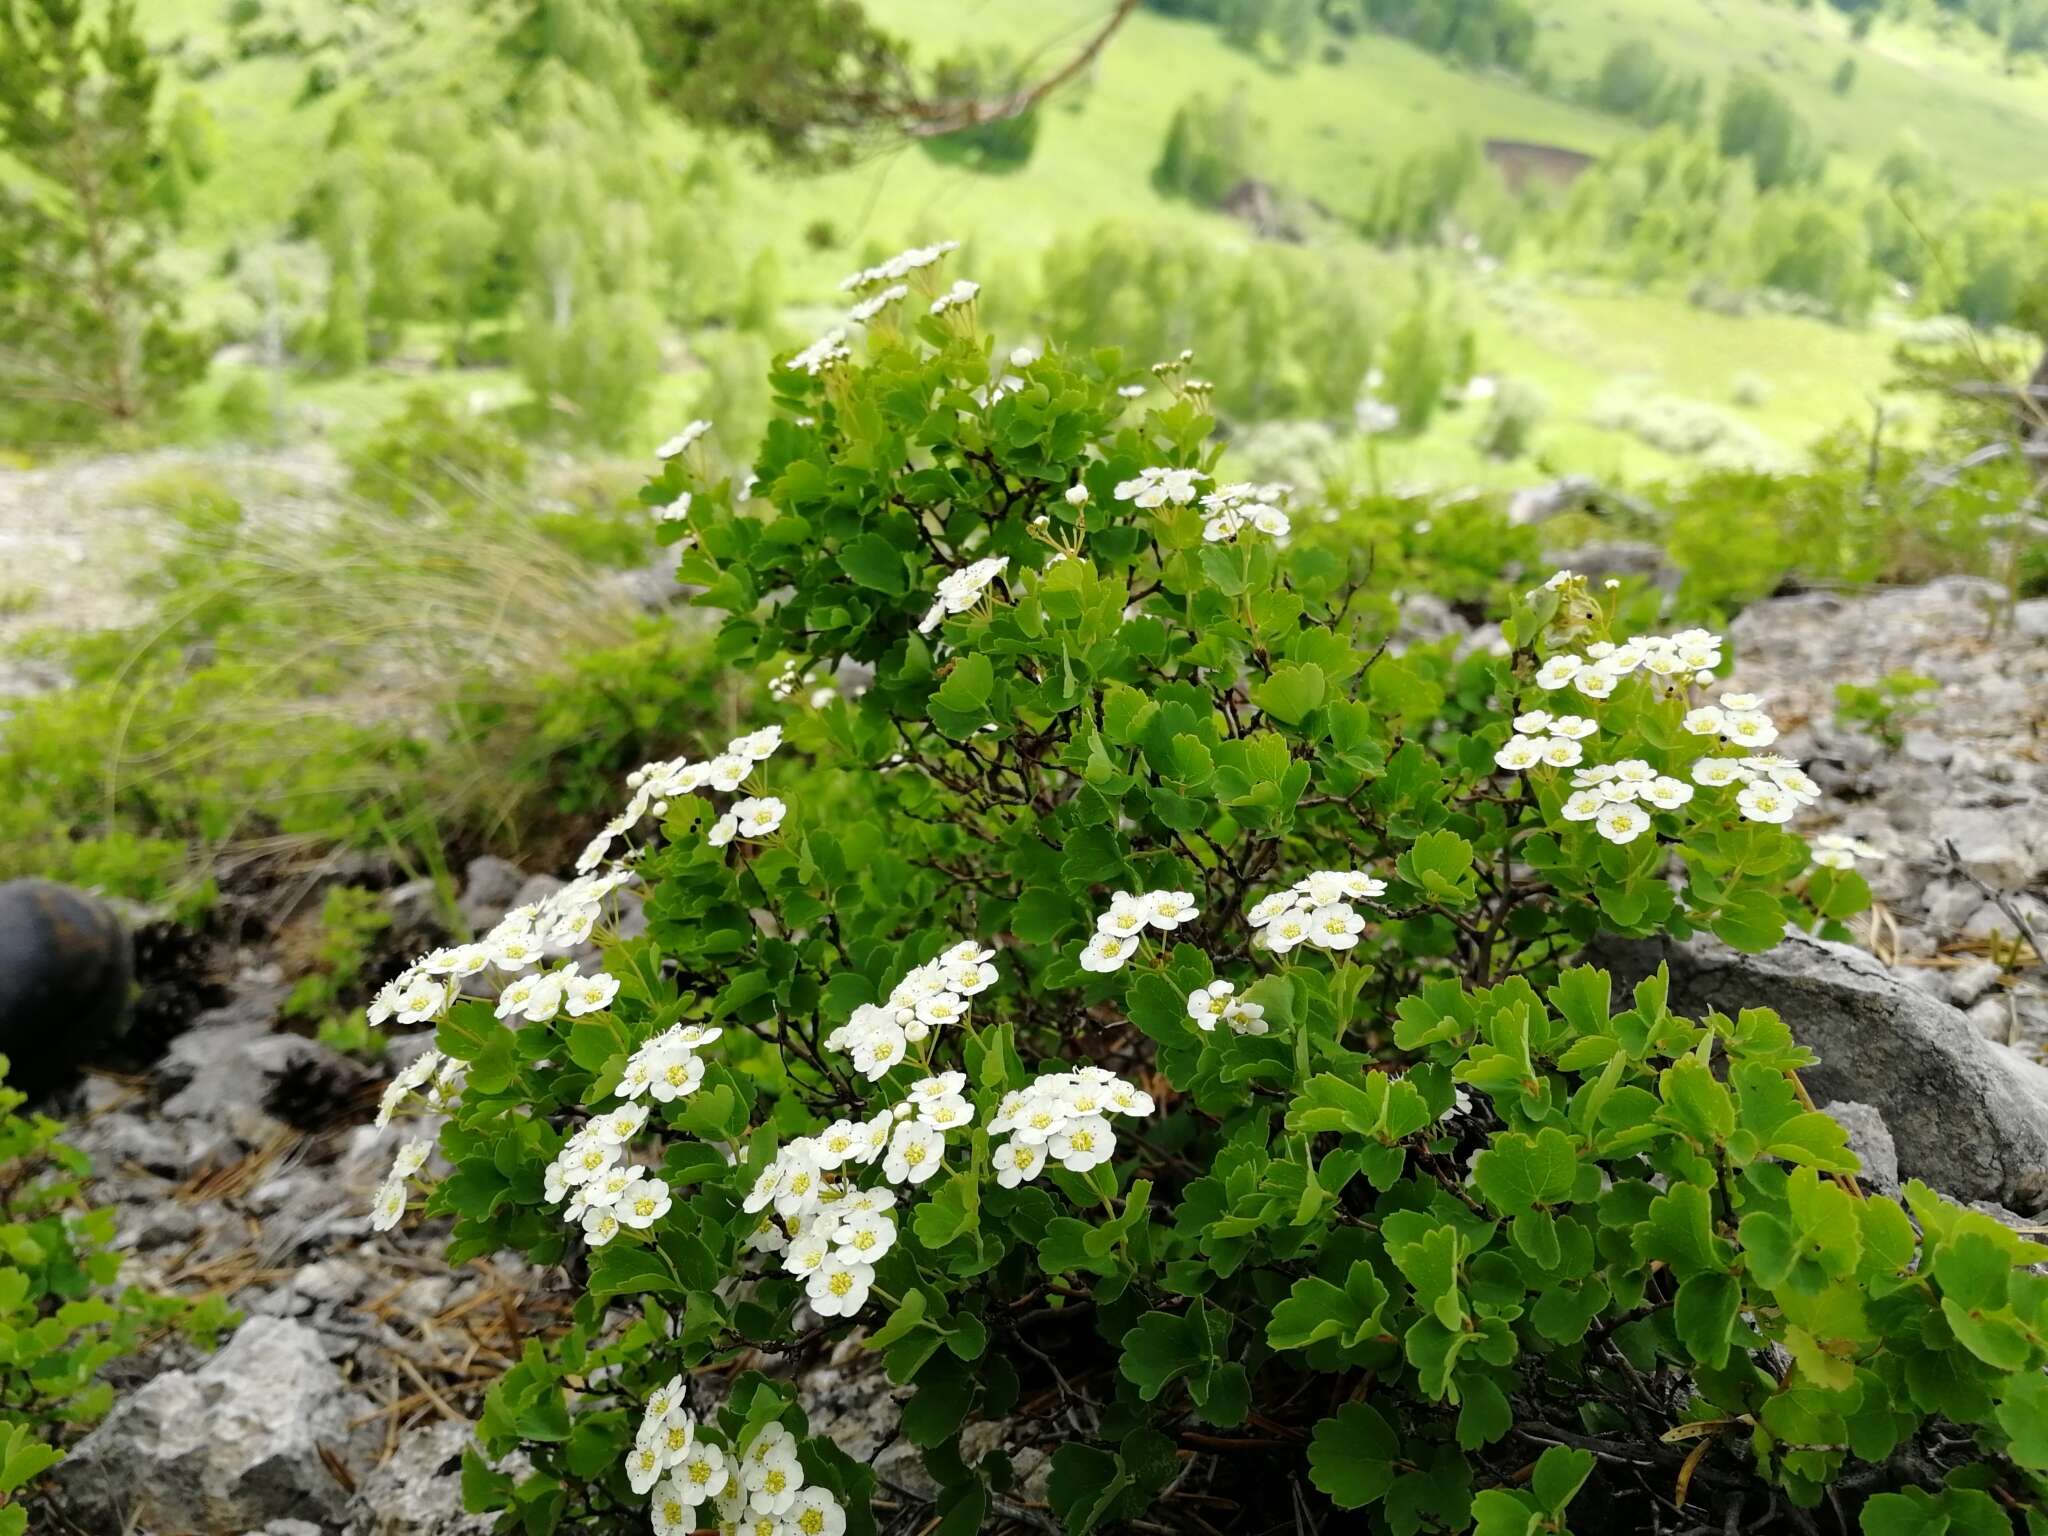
[760, 1489]
[1774, 788]
[879, 1035]
[962, 293]
[874, 304]
[1316, 910]
[897, 267]
[1612, 797]
[389, 1206]
[655, 784]
[830, 1233]
[1158, 487]
[756, 816]
[667, 1067]
[1739, 718]
[1064, 1117]
[827, 352]
[1674, 659]
[1234, 508]
[1219, 1001]
[597, 1187]
[960, 590]
[681, 442]
[1549, 740]
[1118, 930]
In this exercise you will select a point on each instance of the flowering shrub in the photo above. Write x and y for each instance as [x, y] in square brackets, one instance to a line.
[1139, 1009]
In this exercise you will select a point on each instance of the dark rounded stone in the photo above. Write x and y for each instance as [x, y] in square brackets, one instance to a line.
[65, 974]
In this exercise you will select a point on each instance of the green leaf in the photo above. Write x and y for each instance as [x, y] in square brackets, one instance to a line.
[1352, 1456]
[1696, 1103]
[1704, 1316]
[873, 561]
[953, 1211]
[1160, 1348]
[621, 1268]
[1440, 863]
[1517, 1172]
[1560, 1473]
[1291, 693]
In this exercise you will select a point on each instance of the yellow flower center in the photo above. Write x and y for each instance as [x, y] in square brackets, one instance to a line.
[840, 1283]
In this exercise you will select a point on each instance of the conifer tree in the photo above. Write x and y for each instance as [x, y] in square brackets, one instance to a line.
[89, 332]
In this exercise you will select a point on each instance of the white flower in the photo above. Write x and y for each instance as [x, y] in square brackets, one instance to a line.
[1083, 1144]
[642, 1203]
[683, 439]
[1334, 927]
[828, 351]
[1167, 910]
[865, 1236]
[1106, 952]
[915, 1153]
[1127, 915]
[759, 817]
[1077, 495]
[1621, 823]
[703, 1474]
[389, 1207]
[600, 1226]
[1713, 772]
[1667, 794]
[1835, 850]
[1207, 1004]
[962, 292]
[663, 1401]
[644, 1466]
[808, 1252]
[756, 746]
[1285, 932]
[1583, 805]
[1749, 728]
[671, 1513]
[1741, 702]
[1596, 682]
[728, 771]
[723, 830]
[588, 994]
[839, 1287]
[1131, 391]
[1795, 783]
[868, 308]
[960, 590]
[1707, 720]
[1243, 1017]
[815, 1513]
[878, 1049]
[411, 1158]
[1270, 907]
[1573, 727]
[1519, 752]
[1766, 802]
[1534, 721]
[1156, 487]
[672, 1434]
[674, 1074]
[1017, 1162]
[1562, 752]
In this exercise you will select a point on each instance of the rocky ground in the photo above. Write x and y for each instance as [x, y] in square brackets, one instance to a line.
[74, 534]
[241, 1159]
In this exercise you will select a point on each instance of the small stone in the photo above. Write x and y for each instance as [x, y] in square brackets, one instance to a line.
[418, 1492]
[1971, 980]
[1870, 1140]
[1989, 844]
[227, 1448]
[490, 889]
